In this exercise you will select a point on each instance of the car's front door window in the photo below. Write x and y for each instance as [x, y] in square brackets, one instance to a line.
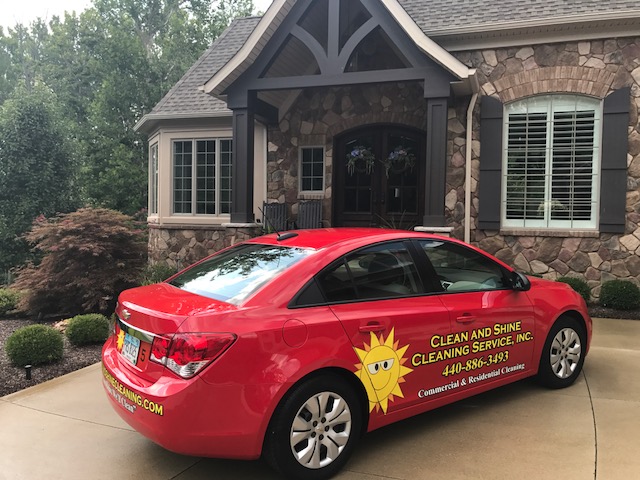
[460, 269]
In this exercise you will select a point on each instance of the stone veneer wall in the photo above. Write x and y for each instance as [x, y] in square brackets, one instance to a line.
[594, 68]
[181, 246]
[318, 115]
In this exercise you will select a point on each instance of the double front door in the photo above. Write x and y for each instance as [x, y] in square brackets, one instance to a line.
[379, 178]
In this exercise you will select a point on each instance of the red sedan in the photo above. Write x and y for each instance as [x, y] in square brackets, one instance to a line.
[291, 346]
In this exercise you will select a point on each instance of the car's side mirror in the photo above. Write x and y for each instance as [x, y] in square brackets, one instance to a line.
[520, 282]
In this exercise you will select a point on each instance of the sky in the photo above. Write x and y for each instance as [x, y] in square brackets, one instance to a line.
[25, 11]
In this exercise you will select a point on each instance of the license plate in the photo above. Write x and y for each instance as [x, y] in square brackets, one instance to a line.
[131, 348]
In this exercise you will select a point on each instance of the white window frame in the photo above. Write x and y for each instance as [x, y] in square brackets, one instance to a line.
[194, 178]
[153, 178]
[551, 104]
[300, 169]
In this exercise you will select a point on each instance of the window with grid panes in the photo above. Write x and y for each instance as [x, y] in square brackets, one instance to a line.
[312, 168]
[202, 176]
[551, 162]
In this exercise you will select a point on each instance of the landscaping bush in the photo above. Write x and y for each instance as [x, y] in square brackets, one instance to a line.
[8, 300]
[620, 294]
[579, 286]
[90, 256]
[86, 329]
[157, 273]
[34, 345]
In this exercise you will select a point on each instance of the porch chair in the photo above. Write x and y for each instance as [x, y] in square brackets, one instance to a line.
[309, 214]
[274, 216]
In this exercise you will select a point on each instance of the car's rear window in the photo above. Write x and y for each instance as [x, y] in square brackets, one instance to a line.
[235, 274]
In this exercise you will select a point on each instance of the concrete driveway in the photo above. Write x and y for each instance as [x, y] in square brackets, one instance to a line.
[65, 429]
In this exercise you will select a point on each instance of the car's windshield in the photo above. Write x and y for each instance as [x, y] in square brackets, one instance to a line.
[237, 273]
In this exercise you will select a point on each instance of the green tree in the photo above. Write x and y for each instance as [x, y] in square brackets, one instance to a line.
[108, 67]
[37, 169]
[144, 47]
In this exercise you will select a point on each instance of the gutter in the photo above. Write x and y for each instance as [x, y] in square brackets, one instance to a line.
[150, 117]
[467, 173]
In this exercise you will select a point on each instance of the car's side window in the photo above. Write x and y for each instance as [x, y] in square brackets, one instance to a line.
[380, 271]
[461, 269]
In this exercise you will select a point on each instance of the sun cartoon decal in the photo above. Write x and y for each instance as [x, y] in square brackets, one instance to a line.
[382, 370]
[120, 340]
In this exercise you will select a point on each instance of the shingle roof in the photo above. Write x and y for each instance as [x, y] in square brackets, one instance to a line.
[432, 16]
[436, 15]
[186, 96]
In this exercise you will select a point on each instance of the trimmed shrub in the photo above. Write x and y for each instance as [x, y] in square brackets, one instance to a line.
[620, 294]
[579, 286]
[87, 329]
[157, 273]
[34, 345]
[8, 300]
[90, 256]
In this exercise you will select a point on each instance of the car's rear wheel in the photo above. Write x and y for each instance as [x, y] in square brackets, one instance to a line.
[563, 353]
[313, 433]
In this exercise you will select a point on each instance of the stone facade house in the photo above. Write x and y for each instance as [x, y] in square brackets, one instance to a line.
[510, 125]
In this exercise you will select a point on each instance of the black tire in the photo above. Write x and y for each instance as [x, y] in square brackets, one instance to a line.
[329, 434]
[563, 354]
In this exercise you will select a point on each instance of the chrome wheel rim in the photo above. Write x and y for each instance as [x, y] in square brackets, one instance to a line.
[566, 350]
[320, 430]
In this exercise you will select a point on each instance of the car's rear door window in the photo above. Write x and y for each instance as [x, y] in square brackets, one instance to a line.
[235, 274]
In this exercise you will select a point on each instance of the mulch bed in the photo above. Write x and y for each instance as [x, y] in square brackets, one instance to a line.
[13, 378]
[74, 358]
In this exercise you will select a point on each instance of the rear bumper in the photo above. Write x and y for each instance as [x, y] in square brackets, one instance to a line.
[189, 417]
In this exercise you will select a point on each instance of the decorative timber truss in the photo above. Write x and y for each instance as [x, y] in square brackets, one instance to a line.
[324, 43]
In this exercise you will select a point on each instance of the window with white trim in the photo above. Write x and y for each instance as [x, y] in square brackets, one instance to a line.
[551, 162]
[312, 169]
[202, 176]
[153, 179]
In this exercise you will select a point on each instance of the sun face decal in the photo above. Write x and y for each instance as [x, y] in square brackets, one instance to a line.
[382, 370]
[120, 340]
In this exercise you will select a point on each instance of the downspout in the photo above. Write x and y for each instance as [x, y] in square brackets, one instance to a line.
[467, 178]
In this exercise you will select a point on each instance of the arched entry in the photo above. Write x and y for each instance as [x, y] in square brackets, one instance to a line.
[378, 177]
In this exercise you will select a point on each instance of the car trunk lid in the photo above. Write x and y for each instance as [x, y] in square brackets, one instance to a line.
[154, 312]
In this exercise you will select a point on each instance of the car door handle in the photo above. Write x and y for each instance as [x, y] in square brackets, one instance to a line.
[371, 327]
[466, 318]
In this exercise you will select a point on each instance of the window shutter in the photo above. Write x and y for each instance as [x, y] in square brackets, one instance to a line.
[490, 182]
[615, 139]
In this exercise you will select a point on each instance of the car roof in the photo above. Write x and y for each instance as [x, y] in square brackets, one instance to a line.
[321, 238]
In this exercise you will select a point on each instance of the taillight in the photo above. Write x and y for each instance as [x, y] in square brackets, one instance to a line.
[187, 354]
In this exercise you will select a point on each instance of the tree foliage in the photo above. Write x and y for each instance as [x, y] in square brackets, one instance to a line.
[108, 66]
[89, 257]
[37, 170]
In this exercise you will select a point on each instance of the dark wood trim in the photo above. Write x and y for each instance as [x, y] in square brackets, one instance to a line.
[314, 47]
[615, 147]
[436, 162]
[365, 29]
[433, 74]
[491, 126]
[243, 165]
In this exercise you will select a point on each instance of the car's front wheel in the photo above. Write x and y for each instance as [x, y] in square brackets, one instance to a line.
[313, 433]
[563, 354]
